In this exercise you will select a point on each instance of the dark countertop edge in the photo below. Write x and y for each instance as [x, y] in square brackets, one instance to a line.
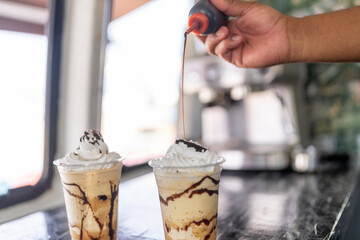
[340, 215]
[345, 215]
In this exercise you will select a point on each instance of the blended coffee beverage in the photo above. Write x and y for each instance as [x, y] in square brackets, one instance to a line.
[90, 178]
[188, 183]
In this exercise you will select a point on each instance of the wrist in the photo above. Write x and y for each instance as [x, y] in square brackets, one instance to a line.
[296, 39]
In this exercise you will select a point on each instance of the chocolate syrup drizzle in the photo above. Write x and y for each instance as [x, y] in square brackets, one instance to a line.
[198, 191]
[195, 185]
[189, 144]
[83, 197]
[92, 238]
[204, 221]
[209, 234]
[74, 226]
[85, 201]
[167, 228]
[81, 226]
[203, 190]
[114, 193]
[197, 223]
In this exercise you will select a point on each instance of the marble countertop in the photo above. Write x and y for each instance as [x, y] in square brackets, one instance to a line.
[252, 205]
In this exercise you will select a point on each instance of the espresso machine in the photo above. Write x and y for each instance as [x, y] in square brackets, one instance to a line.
[255, 118]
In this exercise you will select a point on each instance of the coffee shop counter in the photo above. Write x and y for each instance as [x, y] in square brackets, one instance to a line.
[252, 205]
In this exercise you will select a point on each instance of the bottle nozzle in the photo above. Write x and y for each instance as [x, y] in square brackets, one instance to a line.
[198, 23]
[194, 25]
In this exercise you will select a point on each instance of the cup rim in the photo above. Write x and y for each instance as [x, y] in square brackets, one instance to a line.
[60, 163]
[152, 163]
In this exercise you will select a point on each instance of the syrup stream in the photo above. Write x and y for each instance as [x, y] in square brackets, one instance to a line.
[193, 26]
[182, 85]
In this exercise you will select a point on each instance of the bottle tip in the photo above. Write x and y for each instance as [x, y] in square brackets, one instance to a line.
[192, 26]
[198, 23]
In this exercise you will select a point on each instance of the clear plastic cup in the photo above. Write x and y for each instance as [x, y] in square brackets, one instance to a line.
[188, 199]
[91, 198]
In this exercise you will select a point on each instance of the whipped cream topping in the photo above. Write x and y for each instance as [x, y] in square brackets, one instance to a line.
[186, 154]
[92, 149]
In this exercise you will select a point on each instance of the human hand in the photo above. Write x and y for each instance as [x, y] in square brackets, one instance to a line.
[256, 37]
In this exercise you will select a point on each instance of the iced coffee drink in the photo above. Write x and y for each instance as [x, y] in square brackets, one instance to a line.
[188, 183]
[90, 178]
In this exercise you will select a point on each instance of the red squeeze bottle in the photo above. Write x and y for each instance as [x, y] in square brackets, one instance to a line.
[205, 18]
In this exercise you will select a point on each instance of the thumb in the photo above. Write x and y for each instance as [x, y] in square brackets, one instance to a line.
[233, 8]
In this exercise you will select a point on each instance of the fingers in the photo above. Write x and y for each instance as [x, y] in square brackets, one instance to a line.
[201, 38]
[223, 43]
[220, 33]
[212, 40]
[233, 8]
[226, 47]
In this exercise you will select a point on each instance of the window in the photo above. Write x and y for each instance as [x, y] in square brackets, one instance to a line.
[29, 63]
[141, 79]
[22, 103]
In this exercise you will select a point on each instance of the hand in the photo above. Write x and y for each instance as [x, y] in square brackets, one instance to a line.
[257, 37]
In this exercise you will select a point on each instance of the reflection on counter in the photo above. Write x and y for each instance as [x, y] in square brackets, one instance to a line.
[266, 211]
[284, 205]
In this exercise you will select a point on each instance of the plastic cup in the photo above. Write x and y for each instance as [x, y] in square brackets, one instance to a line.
[188, 199]
[91, 198]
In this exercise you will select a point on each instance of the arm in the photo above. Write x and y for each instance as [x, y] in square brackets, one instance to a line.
[260, 36]
[329, 37]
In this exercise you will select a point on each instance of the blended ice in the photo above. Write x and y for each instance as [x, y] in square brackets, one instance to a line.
[90, 176]
[188, 179]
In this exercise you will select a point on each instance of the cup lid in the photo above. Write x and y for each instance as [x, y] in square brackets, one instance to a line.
[157, 163]
[61, 163]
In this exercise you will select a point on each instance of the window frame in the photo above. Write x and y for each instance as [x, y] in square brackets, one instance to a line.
[54, 33]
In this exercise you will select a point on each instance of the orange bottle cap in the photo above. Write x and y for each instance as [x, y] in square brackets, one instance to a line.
[199, 19]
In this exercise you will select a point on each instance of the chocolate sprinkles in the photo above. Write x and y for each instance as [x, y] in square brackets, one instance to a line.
[92, 136]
